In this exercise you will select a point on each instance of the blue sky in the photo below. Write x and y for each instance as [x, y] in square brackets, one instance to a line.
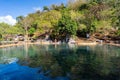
[23, 7]
[10, 9]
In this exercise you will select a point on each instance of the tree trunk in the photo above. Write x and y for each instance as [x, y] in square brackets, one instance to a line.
[26, 34]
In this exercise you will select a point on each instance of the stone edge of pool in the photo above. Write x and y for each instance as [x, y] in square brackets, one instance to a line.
[46, 43]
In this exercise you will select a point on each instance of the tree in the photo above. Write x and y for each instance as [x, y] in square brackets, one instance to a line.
[45, 8]
[62, 20]
[4, 29]
[26, 23]
[20, 18]
[66, 26]
[116, 14]
[75, 4]
[31, 31]
[17, 29]
[58, 7]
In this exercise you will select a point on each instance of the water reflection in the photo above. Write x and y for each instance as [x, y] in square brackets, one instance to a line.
[71, 62]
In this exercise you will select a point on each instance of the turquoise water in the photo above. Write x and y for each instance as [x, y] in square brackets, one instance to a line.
[60, 62]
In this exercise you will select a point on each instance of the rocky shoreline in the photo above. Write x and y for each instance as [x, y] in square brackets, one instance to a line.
[47, 43]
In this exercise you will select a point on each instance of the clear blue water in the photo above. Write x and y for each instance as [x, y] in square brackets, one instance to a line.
[60, 62]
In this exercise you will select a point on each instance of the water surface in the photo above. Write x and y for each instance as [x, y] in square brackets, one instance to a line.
[60, 62]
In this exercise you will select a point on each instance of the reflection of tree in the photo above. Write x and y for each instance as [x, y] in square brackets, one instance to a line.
[80, 63]
[88, 66]
[115, 70]
[45, 60]
[26, 50]
[66, 59]
[94, 65]
[59, 62]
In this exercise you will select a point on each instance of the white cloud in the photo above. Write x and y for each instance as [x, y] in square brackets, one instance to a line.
[37, 9]
[8, 19]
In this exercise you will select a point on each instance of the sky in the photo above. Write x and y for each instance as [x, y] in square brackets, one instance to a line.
[10, 9]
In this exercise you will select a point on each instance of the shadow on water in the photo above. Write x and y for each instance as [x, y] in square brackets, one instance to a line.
[66, 62]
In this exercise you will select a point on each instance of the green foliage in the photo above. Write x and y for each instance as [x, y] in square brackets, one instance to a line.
[3, 28]
[7, 30]
[116, 18]
[51, 16]
[81, 16]
[66, 26]
[18, 29]
[0, 37]
[118, 33]
[45, 8]
[58, 7]
[75, 4]
[31, 31]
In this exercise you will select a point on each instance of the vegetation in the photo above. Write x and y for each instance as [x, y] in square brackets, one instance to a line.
[66, 27]
[77, 18]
